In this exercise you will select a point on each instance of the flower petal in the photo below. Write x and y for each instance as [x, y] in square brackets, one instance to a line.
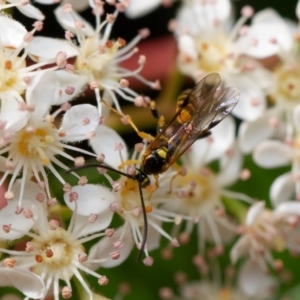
[282, 189]
[67, 21]
[64, 80]
[105, 246]
[239, 249]
[272, 154]
[92, 199]
[31, 11]
[101, 223]
[138, 8]
[40, 94]
[213, 147]
[252, 133]
[231, 165]
[105, 143]
[76, 5]
[254, 282]
[10, 113]
[18, 222]
[14, 33]
[267, 26]
[44, 48]
[296, 115]
[27, 282]
[252, 102]
[80, 121]
[288, 208]
[199, 17]
[253, 212]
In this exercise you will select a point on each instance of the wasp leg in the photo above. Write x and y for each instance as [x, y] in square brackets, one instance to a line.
[178, 169]
[128, 162]
[160, 118]
[141, 134]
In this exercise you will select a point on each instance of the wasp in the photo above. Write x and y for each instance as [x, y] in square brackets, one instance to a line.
[198, 111]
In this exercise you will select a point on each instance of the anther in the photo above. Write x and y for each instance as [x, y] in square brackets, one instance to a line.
[110, 18]
[27, 213]
[73, 196]
[29, 247]
[114, 207]
[66, 292]
[69, 90]
[49, 253]
[109, 232]
[70, 68]
[9, 195]
[51, 201]
[82, 180]
[136, 211]
[118, 244]
[18, 210]
[61, 59]
[148, 261]
[79, 161]
[144, 33]
[53, 224]
[38, 25]
[6, 228]
[82, 257]
[103, 280]
[9, 262]
[92, 218]
[79, 24]
[100, 158]
[114, 255]
[116, 186]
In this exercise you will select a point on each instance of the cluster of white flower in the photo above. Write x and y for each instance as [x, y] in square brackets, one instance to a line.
[49, 219]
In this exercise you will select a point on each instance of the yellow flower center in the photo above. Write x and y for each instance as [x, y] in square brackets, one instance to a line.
[212, 53]
[130, 198]
[286, 88]
[33, 144]
[95, 59]
[56, 251]
[199, 191]
[9, 79]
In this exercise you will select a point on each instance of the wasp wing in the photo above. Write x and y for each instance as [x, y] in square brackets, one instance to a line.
[205, 107]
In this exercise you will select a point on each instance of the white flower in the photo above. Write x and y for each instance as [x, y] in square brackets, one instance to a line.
[251, 284]
[284, 92]
[200, 190]
[128, 198]
[97, 57]
[35, 145]
[262, 233]
[31, 285]
[26, 8]
[16, 76]
[276, 153]
[195, 16]
[212, 48]
[138, 8]
[55, 253]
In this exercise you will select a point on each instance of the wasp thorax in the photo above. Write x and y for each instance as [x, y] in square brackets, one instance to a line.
[155, 162]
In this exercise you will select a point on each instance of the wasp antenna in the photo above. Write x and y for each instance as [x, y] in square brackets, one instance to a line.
[141, 250]
[99, 166]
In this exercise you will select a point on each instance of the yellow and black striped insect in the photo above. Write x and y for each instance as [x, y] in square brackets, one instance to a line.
[198, 111]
